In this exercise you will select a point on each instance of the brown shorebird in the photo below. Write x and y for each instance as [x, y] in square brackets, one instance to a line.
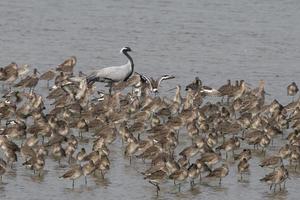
[193, 173]
[134, 81]
[295, 158]
[81, 154]
[276, 177]
[284, 151]
[29, 81]
[210, 158]
[9, 73]
[243, 167]
[246, 153]
[225, 89]
[23, 70]
[264, 142]
[238, 91]
[131, 147]
[103, 164]
[179, 176]
[88, 169]
[68, 65]
[70, 150]
[212, 139]
[58, 152]
[178, 98]
[27, 152]
[190, 151]
[74, 173]
[229, 145]
[48, 76]
[156, 178]
[271, 162]
[219, 172]
[36, 162]
[202, 167]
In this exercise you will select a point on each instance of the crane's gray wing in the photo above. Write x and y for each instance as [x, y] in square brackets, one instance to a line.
[98, 76]
[109, 74]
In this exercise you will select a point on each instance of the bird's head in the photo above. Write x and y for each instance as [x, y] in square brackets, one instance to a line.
[125, 49]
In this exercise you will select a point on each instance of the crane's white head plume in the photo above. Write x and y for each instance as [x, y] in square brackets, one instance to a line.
[125, 49]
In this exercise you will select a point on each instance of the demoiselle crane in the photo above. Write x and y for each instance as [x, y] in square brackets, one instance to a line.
[114, 73]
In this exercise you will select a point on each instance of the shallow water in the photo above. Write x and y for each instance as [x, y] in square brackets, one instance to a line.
[215, 40]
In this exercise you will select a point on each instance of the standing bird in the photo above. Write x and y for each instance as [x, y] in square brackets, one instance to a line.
[72, 174]
[114, 73]
[243, 167]
[23, 70]
[88, 169]
[29, 81]
[156, 178]
[154, 84]
[219, 172]
[68, 65]
[48, 76]
[292, 89]
[9, 73]
[276, 177]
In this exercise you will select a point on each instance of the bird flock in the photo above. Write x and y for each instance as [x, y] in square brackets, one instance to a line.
[188, 138]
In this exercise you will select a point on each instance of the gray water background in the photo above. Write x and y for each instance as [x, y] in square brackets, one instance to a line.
[215, 40]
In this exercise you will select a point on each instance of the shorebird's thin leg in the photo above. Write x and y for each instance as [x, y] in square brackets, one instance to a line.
[110, 88]
[102, 175]
[157, 189]
[192, 183]
[279, 187]
[156, 185]
[152, 183]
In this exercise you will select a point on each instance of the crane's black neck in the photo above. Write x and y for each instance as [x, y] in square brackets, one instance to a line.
[131, 65]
